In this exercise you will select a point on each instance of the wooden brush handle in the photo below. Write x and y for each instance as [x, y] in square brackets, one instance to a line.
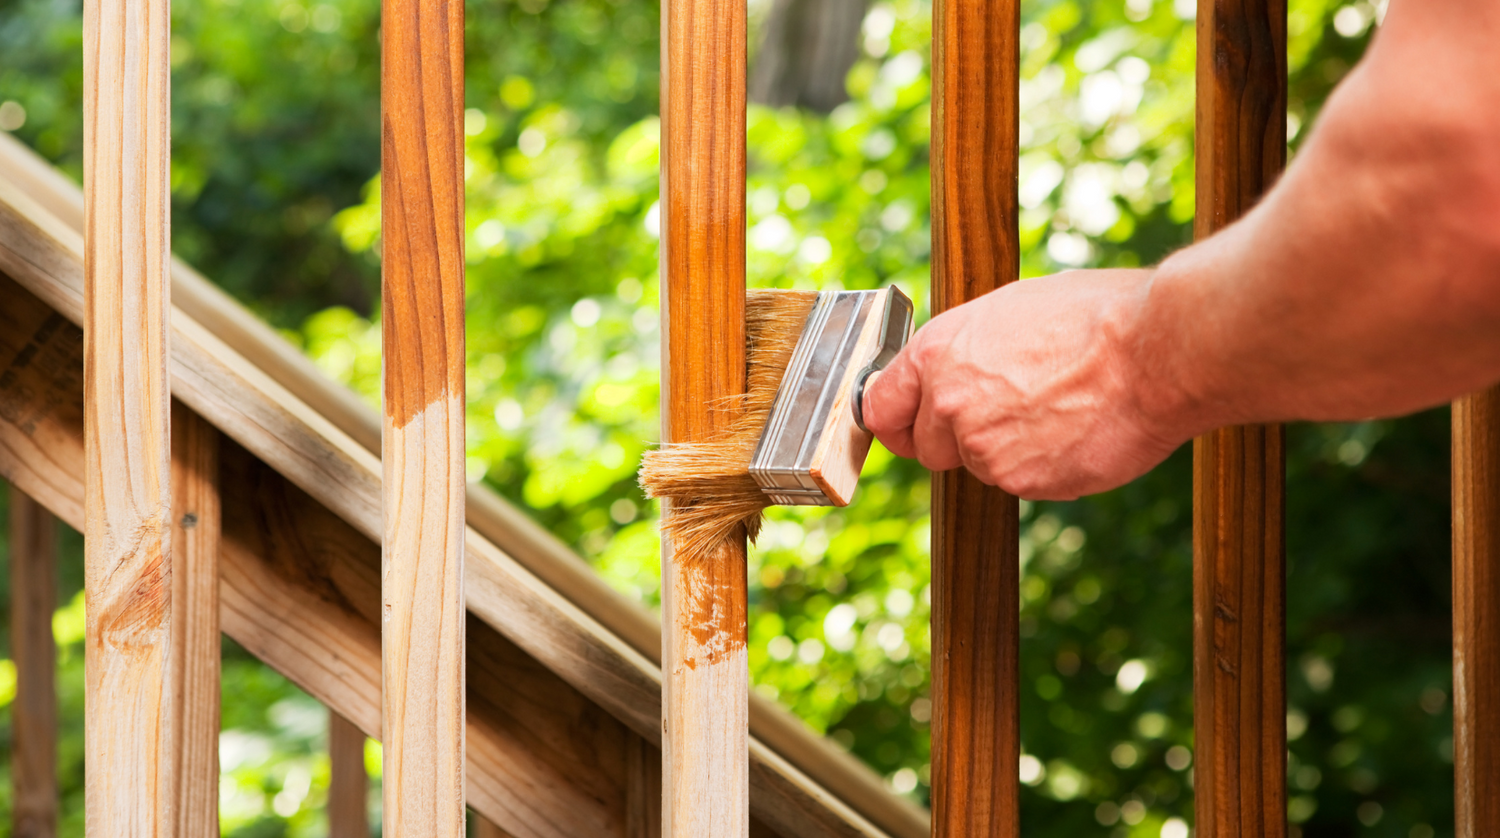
[844, 445]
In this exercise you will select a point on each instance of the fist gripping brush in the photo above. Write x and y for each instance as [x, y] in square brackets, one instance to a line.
[797, 438]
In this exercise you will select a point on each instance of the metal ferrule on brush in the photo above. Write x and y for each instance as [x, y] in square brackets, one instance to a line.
[813, 446]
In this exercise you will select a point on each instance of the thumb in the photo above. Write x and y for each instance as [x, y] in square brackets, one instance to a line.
[891, 400]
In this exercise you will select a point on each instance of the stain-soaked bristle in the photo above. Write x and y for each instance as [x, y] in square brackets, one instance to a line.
[708, 483]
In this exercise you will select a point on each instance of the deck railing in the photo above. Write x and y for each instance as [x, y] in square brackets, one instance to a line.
[152, 695]
[152, 502]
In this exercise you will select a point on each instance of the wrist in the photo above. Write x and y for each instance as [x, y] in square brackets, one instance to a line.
[1167, 354]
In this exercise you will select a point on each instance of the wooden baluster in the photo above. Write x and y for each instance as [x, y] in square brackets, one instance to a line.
[33, 592]
[1476, 614]
[642, 789]
[976, 737]
[705, 676]
[348, 784]
[193, 673]
[127, 497]
[1239, 575]
[422, 257]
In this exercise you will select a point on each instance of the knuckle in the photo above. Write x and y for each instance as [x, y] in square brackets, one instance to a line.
[1026, 482]
[1021, 487]
[923, 350]
[982, 471]
[947, 405]
[979, 442]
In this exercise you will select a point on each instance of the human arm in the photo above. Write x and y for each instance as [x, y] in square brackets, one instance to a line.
[1366, 283]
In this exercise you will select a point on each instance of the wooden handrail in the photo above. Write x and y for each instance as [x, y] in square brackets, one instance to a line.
[529, 586]
[58, 211]
[42, 254]
[300, 589]
[976, 735]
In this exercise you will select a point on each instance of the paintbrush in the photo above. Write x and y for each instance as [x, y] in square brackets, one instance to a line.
[796, 437]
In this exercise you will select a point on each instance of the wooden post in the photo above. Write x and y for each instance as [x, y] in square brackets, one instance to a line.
[422, 254]
[642, 789]
[1476, 614]
[1239, 575]
[127, 498]
[193, 673]
[976, 737]
[348, 784]
[705, 676]
[33, 592]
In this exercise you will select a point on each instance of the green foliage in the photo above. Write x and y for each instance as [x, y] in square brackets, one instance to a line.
[275, 147]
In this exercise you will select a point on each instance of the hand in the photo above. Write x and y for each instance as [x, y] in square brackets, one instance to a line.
[1036, 388]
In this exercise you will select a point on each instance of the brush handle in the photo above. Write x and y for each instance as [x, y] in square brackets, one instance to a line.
[814, 443]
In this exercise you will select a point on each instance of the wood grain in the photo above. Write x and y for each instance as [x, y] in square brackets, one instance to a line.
[255, 411]
[1239, 566]
[422, 266]
[348, 784]
[193, 658]
[300, 590]
[541, 758]
[705, 706]
[976, 744]
[205, 302]
[278, 607]
[642, 789]
[1476, 614]
[41, 403]
[1239, 618]
[843, 447]
[273, 365]
[127, 497]
[33, 713]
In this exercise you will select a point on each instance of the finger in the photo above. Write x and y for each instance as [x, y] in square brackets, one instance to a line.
[899, 440]
[893, 395]
[891, 400]
[935, 441]
[987, 453]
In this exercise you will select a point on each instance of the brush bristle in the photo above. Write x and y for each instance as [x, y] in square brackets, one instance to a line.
[708, 483]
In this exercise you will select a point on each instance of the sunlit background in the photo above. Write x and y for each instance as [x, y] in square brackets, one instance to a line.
[274, 167]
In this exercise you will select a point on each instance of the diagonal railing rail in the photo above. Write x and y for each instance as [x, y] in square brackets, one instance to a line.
[299, 586]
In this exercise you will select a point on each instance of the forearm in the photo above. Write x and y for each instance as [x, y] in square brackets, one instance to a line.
[1368, 281]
